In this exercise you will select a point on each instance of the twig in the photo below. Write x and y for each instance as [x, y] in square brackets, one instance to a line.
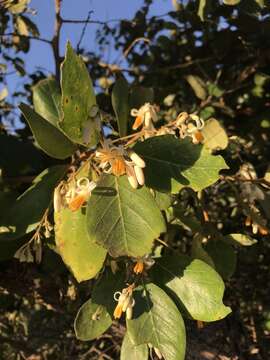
[126, 52]
[56, 38]
[28, 37]
[84, 29]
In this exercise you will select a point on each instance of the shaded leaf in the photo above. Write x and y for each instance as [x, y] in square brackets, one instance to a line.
[196, 287]
[47, 100]
[223, 256]
[198, 252]
[120, 97]
[130, 351]
[27, 211]
[140, 95]
[79, 252]
[78, 101]
[172, 164]
[92, 320]
[156, 320]
[104, 289]
[124, 220]
[51, 140]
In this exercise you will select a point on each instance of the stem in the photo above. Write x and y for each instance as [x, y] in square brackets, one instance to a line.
[56, 38]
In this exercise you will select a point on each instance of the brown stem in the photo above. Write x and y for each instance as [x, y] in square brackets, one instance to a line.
[56, 38]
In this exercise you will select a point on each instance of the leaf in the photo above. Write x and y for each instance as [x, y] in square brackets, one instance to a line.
[79, 252]
[16, 7]
[172, 164]
[124, 220]
[3, 93]
[198, 252]
[30, 26]
[163, 200]
[27, 211]
[196, 287]
[21, 26]
[92, 320]
[104, 289]
[51, 140]
[223, 256]
[198, 86]
[201, 9]
[156, 320]
[215, 137]
[130, 351]
[15, 155]
[78, 100]
[140, 95]
[231, 2]
[47, 100]
[120, 96]
[240, 239]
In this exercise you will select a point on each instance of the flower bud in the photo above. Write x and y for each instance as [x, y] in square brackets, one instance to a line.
[139, 174]
[136, 159]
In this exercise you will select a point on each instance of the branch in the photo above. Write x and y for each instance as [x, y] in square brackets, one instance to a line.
[56, 38]
[28, 37]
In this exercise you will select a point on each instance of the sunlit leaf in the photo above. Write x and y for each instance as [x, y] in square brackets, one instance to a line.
[196, 287]
[51, 140]
[47, 100]
[79, 252]
[123, 220]
[215, 137]
[198, 86]
[78, 101]
[134, 352]
[156, 320]
[240, 239]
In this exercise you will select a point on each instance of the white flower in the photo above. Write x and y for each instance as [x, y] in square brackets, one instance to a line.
[125, 302]
[118, 161]
[146, 115]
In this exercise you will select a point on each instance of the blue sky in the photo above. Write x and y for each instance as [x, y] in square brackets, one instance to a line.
[40, 54]
[103, 10]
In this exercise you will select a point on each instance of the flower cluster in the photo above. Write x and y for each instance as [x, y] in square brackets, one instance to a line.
[118, 161]
[125, 302]
[75, 197]
[185, 124]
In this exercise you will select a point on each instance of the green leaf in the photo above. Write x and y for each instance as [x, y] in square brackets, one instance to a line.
[27, 211]
[78, 101]
[3, 93]
[198, 252]
[196, 287]
[172, 164]
[240, 239]
[120, 96]
[140, 95]
[198, 86]
[201, 9]
[47, 100]
[163, 200]
[215, 137]
[223, 256]
[91, 321]
[124, 220]
[79, 252]
[231, 2]
[130, 351]
[104, 289]
[51, 140]
[156, 320]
